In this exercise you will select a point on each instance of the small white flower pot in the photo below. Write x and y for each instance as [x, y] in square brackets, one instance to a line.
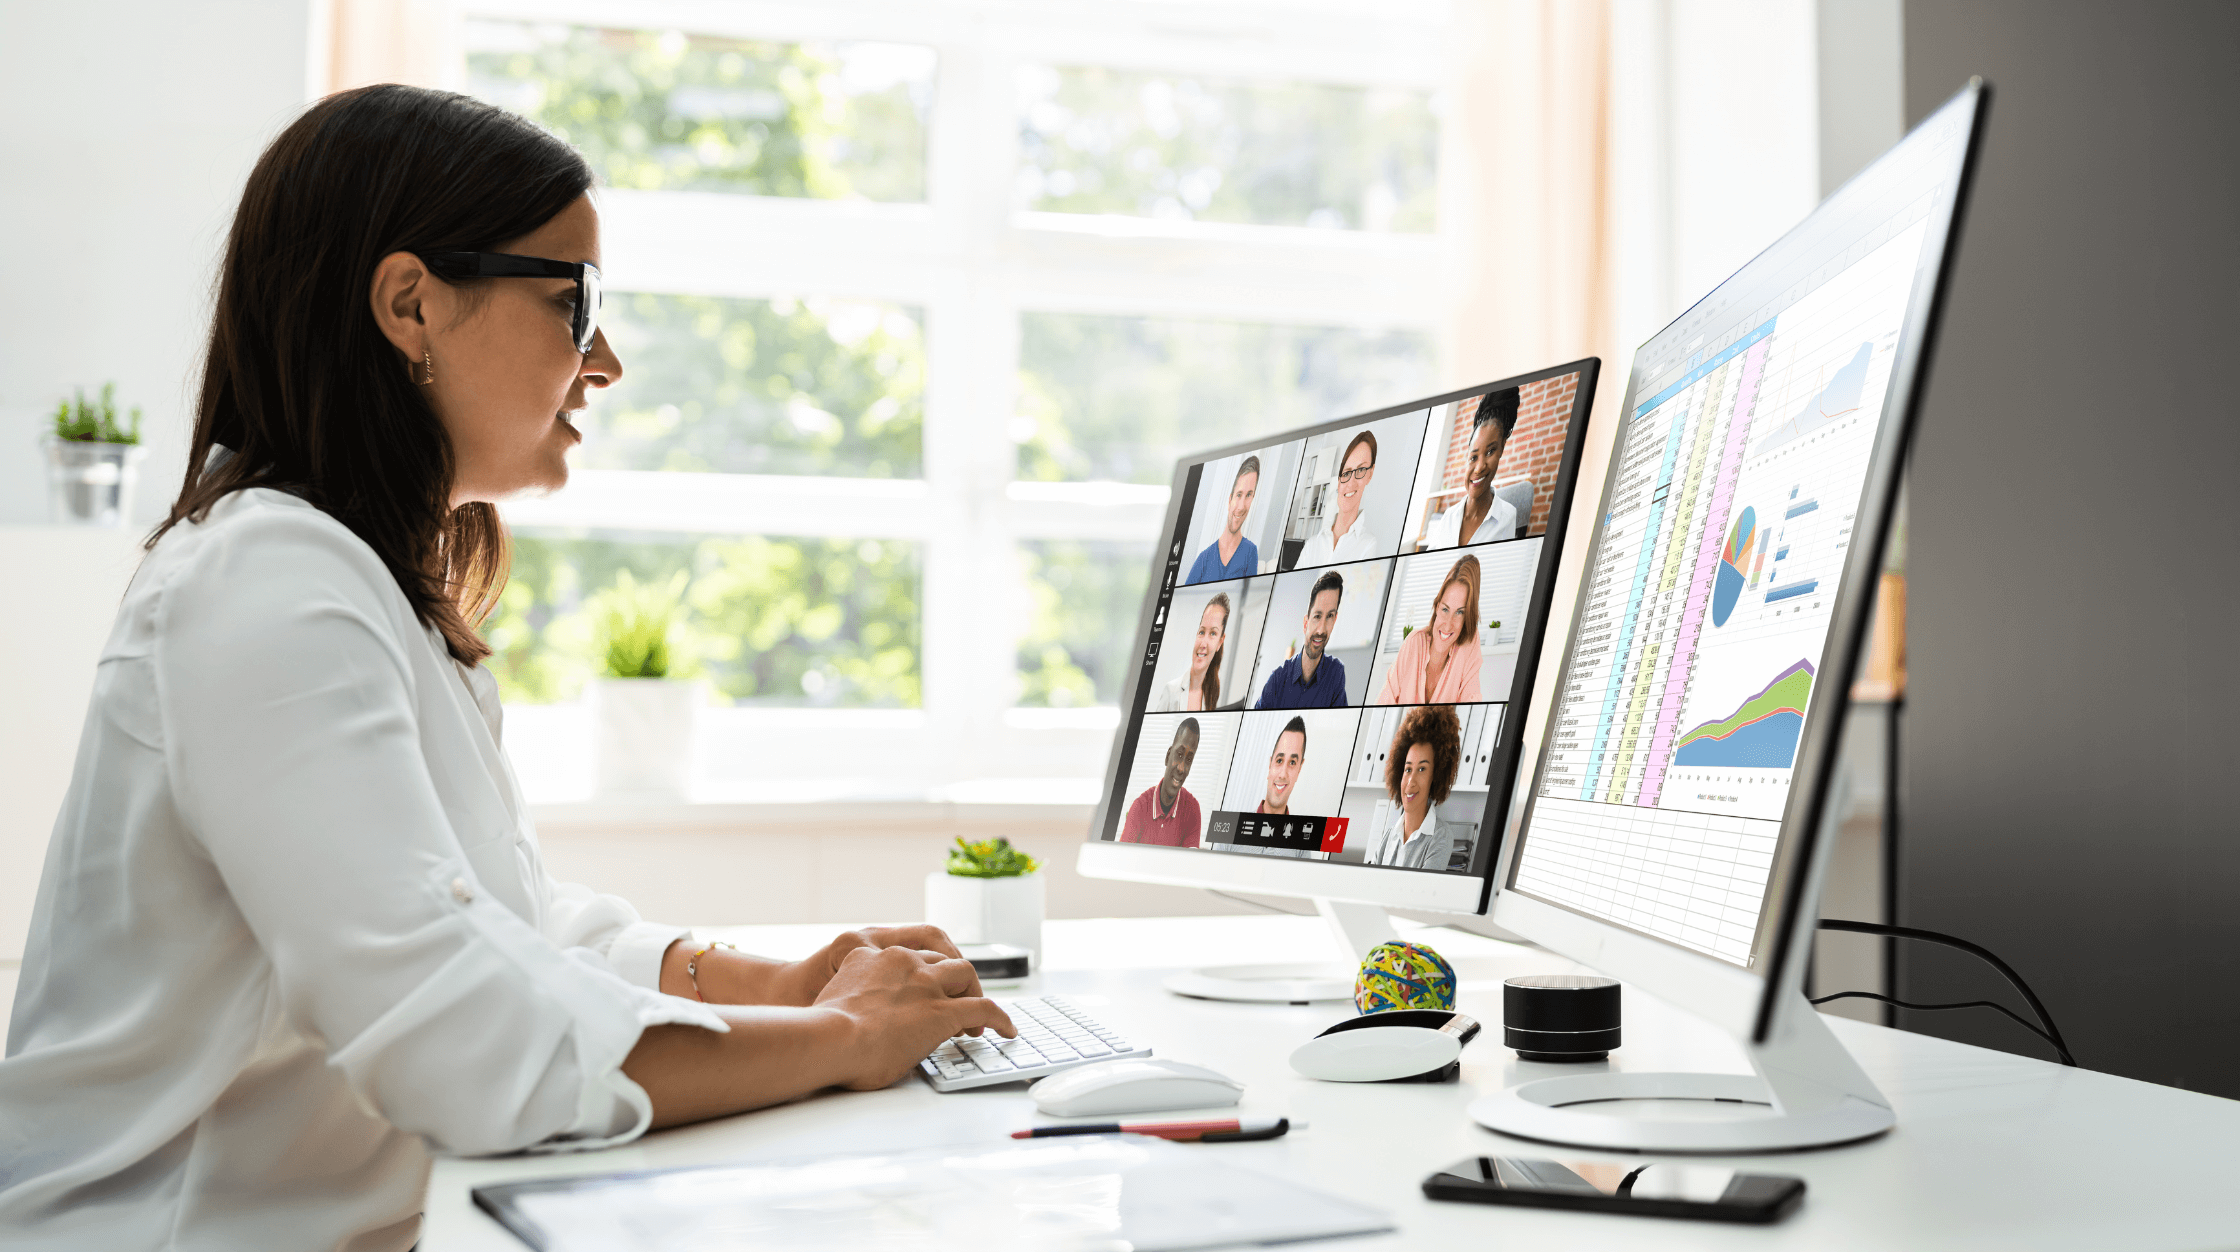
[90, 483]
[642, 735]
[1006, 910]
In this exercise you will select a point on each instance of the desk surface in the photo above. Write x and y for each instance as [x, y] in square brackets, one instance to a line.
[1991, 1151]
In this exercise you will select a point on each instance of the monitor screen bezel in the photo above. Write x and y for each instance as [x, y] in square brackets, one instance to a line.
[1377, 884]
[1744, 999]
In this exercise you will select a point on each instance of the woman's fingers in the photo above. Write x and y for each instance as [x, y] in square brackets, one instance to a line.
[916, 936]
[980, 1014]
[958, 977]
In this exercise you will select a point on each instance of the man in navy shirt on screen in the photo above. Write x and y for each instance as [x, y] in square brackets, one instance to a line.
[1232, 555]
[1312, 680]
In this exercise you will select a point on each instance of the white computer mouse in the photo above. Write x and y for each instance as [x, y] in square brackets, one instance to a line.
[1392, 1046]
[1103, 1089]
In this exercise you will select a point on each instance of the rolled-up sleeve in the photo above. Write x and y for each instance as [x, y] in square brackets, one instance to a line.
[291, 737]
[575, 916]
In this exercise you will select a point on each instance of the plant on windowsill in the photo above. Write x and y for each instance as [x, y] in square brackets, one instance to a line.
[92, 461]
[990, 894]
[642, 716]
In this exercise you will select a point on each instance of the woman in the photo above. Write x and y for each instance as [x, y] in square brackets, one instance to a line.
[1203, 690]
[1346, 538]
[294, 929]
[1439, 663]
[1480, 516]
[1418, 774]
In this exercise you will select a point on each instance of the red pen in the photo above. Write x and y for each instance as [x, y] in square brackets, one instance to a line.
[1246, 1129]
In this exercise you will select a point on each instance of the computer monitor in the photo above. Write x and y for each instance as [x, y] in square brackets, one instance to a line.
[1341, 621]
[1673, 829]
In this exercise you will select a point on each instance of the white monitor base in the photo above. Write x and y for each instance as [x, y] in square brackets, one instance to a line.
[1809, 1092]
[1358, 929]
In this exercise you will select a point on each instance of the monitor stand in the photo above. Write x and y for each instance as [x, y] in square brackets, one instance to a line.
[1358, 928]
[1808, 1092]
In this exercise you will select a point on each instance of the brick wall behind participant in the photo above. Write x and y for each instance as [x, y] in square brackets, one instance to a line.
[1535, 447]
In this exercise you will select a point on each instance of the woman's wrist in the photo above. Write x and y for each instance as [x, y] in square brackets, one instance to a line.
[720, 975]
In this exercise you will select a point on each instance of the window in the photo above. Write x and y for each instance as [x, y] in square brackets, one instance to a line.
[917, 306]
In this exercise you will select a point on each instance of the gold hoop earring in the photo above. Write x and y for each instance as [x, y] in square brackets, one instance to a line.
[428, 360]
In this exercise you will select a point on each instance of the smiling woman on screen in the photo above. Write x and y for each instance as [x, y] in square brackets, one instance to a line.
[1202, 690]
[295, 932]
[1440, 663]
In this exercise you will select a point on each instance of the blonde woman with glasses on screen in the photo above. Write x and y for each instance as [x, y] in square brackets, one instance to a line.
[1439, 663]
[295, 933]
[1346, 537]
[1202, 690]
[1419, 772]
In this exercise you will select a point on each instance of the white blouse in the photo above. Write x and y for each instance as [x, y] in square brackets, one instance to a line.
[1320, 551]
[1446, 528]
[294, 931]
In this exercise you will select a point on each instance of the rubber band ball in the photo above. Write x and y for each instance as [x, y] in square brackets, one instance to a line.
[1398, 976]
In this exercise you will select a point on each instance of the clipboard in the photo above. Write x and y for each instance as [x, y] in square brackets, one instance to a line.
[1102, 1192]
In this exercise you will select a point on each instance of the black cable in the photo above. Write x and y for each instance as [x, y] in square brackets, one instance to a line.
[2045, 1027]
[1950, 1006]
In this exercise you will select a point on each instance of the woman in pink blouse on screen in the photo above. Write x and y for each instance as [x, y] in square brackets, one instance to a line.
[1438, 664]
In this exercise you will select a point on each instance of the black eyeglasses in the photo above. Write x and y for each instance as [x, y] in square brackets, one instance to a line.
[467, 265]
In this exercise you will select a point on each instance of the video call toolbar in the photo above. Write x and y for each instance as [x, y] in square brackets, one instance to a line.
[1337, 636]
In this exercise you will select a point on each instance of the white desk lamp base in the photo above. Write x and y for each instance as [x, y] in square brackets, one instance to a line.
[1358, 928]
[1809, 1092]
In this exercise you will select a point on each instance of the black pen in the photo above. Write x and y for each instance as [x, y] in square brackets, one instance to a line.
[1247, 1129]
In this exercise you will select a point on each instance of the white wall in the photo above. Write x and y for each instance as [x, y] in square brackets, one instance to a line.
[1715, 147]
[130, 128]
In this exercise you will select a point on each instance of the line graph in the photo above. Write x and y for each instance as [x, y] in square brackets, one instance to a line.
[1839, 399]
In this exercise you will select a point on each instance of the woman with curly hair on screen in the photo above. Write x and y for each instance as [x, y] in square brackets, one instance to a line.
[1420, 772]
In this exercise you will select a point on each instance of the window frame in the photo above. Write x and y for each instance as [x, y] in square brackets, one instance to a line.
[973, 262]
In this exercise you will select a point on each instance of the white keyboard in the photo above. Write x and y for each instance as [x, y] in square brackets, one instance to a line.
[1054, 1035]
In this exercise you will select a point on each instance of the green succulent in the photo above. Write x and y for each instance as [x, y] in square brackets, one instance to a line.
[989, 859]
[81, 421]
[633, 621]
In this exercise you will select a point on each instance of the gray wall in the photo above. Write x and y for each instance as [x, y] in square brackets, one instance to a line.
[2070, 766]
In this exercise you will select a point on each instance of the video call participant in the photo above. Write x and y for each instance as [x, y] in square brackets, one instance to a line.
[1203, 690]
[1232, 555]
[1166, 813]
[1438, 664]
[1311, 680]
[1285, 763]
[1426, 755]
[1346, 538]
[1480, 517]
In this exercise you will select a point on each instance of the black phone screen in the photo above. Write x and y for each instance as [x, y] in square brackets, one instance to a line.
[1687, 1190]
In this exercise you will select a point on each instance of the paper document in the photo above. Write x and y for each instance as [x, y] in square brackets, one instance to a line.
[1048, 1194]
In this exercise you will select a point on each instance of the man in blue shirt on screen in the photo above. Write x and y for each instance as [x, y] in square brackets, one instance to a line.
[1232, 555]
[1312, 679]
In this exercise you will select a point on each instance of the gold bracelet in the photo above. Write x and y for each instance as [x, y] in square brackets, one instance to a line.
[692, 966]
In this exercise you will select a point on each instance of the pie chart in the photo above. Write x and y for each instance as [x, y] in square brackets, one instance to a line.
[1726, 588]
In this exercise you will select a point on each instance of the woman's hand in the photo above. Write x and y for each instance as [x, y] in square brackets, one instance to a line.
[901, 1003]
[880, 1011]
[801, 983]
[729, 978]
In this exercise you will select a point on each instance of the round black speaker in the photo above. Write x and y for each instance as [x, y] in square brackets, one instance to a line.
[1560, 1019]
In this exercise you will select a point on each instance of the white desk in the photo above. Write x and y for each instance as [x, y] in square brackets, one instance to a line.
[1992, 1151]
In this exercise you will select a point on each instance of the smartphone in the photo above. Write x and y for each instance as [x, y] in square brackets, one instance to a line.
[1687, 1190]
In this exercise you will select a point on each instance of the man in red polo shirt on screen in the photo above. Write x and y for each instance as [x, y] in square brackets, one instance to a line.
[1166, 813]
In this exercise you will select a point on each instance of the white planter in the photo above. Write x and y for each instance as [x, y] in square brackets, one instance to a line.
[642, 732]
[1006, 910]
[90, 483]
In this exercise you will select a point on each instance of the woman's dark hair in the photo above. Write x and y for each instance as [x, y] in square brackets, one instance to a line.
[300, 382]
[1437, 726]
[1209, 691]
[1498, 409]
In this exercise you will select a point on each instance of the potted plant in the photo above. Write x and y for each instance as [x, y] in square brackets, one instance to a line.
[642, 716]
[92, 461]
[990, 894]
